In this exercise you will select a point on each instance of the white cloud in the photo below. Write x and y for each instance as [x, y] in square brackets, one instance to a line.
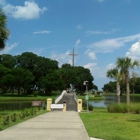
[100, 32]
[2, 2]
[95, 32]
[62, 58]
[109, 45]
[96, 71]
[92, 67]
[42, 32]
[79, 27]
[30, 10]
[77, 42]
[91, 54]
[37, 51]
[8, 48]
[134, 51]
[100, 0]
[110, 66]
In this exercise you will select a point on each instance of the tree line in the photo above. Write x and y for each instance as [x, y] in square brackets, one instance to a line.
[121, 74]
[28, 72]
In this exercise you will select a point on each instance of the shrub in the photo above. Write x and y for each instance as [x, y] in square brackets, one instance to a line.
[90, 107]
[13, 117]
[124, 108]
[117, 108]
[6, 120]
[134, 108]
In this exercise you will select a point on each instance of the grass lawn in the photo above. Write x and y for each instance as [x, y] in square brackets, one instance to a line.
[18, 119]
[111, 126]
[25, 98]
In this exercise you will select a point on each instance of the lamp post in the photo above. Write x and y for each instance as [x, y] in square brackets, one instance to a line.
[87, 97]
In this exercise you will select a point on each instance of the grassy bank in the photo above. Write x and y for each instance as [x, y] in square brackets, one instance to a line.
[124, 94]
[111, 126]
[10, 118]
[25, 98]
[91, 98]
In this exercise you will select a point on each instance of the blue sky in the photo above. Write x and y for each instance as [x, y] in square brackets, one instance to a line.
[100, 31]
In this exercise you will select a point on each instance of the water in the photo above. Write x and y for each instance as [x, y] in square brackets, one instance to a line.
[14, 105]
[95, 103]
[111, 99]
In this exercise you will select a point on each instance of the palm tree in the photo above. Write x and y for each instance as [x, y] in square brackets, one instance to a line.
[134, 80]
[4, 33]
[125, 64]
[115, 74]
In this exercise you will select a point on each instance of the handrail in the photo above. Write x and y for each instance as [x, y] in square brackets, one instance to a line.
[75, 97]
[60, 96]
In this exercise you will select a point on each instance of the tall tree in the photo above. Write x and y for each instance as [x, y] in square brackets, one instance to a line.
[115, 74]
[134, 80]
[4, 33]
[125, 64]
[8, 60]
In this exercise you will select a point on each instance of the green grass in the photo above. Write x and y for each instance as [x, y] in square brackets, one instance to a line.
[91, 97]
[111, 126]
[18, 120]
[124, 108]
[25, 98]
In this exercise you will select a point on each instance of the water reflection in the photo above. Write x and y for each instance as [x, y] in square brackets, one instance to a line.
[14, 105]
[112, 99]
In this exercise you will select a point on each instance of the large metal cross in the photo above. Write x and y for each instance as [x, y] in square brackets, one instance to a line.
[73, 54]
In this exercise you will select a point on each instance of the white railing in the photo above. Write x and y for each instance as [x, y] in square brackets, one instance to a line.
[75, 97]
[60, 96]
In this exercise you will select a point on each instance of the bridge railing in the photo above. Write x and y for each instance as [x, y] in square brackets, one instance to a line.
[60, 96]
[75, 97]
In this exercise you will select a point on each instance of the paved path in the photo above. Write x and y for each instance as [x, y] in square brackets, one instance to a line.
[54, 125]
[70, 102]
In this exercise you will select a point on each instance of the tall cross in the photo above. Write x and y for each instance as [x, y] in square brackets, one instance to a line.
[73, 54]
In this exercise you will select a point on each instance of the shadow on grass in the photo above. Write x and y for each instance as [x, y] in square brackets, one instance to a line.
[119, 138]
[135, 120]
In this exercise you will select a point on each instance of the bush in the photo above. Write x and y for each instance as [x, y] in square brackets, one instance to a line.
[134, 108]
[13, 117]
[90, 107]
[124, 108]
[6, 120]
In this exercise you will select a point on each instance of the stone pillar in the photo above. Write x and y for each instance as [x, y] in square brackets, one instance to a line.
[64, 106]
[79, 105]
[49, 102]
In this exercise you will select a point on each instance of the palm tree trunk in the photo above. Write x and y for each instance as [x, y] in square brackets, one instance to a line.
[118, 92]
[127, 94]
[127, 79]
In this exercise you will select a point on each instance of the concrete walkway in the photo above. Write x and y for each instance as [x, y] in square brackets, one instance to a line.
[55, 125]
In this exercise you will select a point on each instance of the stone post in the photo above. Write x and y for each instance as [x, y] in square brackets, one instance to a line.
[65, 106]
[79, 105]
[49, 102]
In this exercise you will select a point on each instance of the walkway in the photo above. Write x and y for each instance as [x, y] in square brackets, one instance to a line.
[70, 102]
[54, 125]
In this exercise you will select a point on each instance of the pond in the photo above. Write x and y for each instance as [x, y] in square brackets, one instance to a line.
[16, 105]
[95, 103]
[112, 99]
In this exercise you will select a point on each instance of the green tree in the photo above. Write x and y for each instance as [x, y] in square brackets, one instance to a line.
[115, 74]
[4, 33]
[8, 81]
[134, 80]
[8, 60]
[82, 74]
[125, 64]
[110, 87]
[23, 78]
[3, 72]
[51, 82]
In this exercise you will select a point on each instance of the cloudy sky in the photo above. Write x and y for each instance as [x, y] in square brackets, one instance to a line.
[100, 31]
